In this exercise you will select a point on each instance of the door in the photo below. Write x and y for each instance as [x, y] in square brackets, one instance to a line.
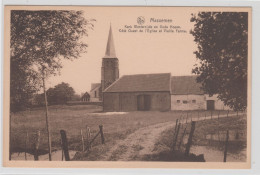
[143, 102]
[140, 102]
[147, 102]
[210, 105]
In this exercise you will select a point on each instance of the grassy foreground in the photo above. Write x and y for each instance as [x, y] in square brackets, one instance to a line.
[210, 133]
[74, 118]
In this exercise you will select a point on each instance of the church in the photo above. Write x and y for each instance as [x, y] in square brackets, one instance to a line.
[145, 92]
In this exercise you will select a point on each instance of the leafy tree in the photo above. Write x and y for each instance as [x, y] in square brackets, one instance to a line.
[76, 97]
[38, 99]
[39, 41]
[60, 94]
[222, 40]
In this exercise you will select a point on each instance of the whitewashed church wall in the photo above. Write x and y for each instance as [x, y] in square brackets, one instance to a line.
[94, 95]
[188, 102]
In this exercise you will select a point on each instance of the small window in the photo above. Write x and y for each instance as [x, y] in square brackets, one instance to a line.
[184, 101]
[193, 101]
[178, 101]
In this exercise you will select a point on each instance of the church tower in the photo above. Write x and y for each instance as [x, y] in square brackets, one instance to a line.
[110, 69]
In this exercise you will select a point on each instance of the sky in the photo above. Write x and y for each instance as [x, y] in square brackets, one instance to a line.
[138, 52]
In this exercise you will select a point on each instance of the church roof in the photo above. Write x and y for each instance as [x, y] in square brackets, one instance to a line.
[184, 85]
[141, 82]
[110, 50]
[94, 86]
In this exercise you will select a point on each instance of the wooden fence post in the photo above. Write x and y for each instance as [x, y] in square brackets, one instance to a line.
[93, 139]
[218, 113]
[184, 132]
[62, 152]
[205, 115]
[65, 145]
[198, 115]
[226, 146]
[187, 151]
[102, 134]
[36, 145]
[82, 140]
[227, 113]
[182, 121]
[237, 113]
[211, 114]
[26, 143]
[176, 137]
[88, 138]
[176, 125]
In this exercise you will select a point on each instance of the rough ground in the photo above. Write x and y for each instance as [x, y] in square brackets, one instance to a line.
[137, 144]
[142, 142]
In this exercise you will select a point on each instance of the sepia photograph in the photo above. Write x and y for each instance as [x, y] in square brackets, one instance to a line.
[133, 87]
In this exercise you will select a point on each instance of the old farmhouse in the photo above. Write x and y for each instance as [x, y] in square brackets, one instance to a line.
[139, 92]
[186, 94]
[160, 92]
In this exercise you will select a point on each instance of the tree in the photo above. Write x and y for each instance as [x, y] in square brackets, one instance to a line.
[38, 99]
[76, 97]
[60, 94]
[39, 41]
[222, 40]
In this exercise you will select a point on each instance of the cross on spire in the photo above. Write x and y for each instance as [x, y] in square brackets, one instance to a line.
[110, 51]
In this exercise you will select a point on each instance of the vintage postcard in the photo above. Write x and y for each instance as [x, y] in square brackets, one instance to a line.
[127, 87]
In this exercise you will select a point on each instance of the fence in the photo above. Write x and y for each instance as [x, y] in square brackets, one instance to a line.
[185, 125]
[34, 141]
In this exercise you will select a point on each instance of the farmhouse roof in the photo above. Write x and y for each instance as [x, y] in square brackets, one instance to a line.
[141, 82]
[94, 86]
[110, 51]
[86, 94]
[183, 85]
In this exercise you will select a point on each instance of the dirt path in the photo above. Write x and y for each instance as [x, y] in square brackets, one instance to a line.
[142, 141]
[137, 144]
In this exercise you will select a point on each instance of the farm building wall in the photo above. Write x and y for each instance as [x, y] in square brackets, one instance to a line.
[188, 102]
[219, 105]
[195, 102]
[127, 101]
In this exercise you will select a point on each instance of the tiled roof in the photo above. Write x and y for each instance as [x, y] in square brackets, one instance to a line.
[141, 82]
[182, 85]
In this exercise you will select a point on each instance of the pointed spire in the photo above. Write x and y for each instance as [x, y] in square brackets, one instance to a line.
[110, 51]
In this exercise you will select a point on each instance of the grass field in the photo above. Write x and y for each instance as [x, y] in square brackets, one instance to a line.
[74, 118]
